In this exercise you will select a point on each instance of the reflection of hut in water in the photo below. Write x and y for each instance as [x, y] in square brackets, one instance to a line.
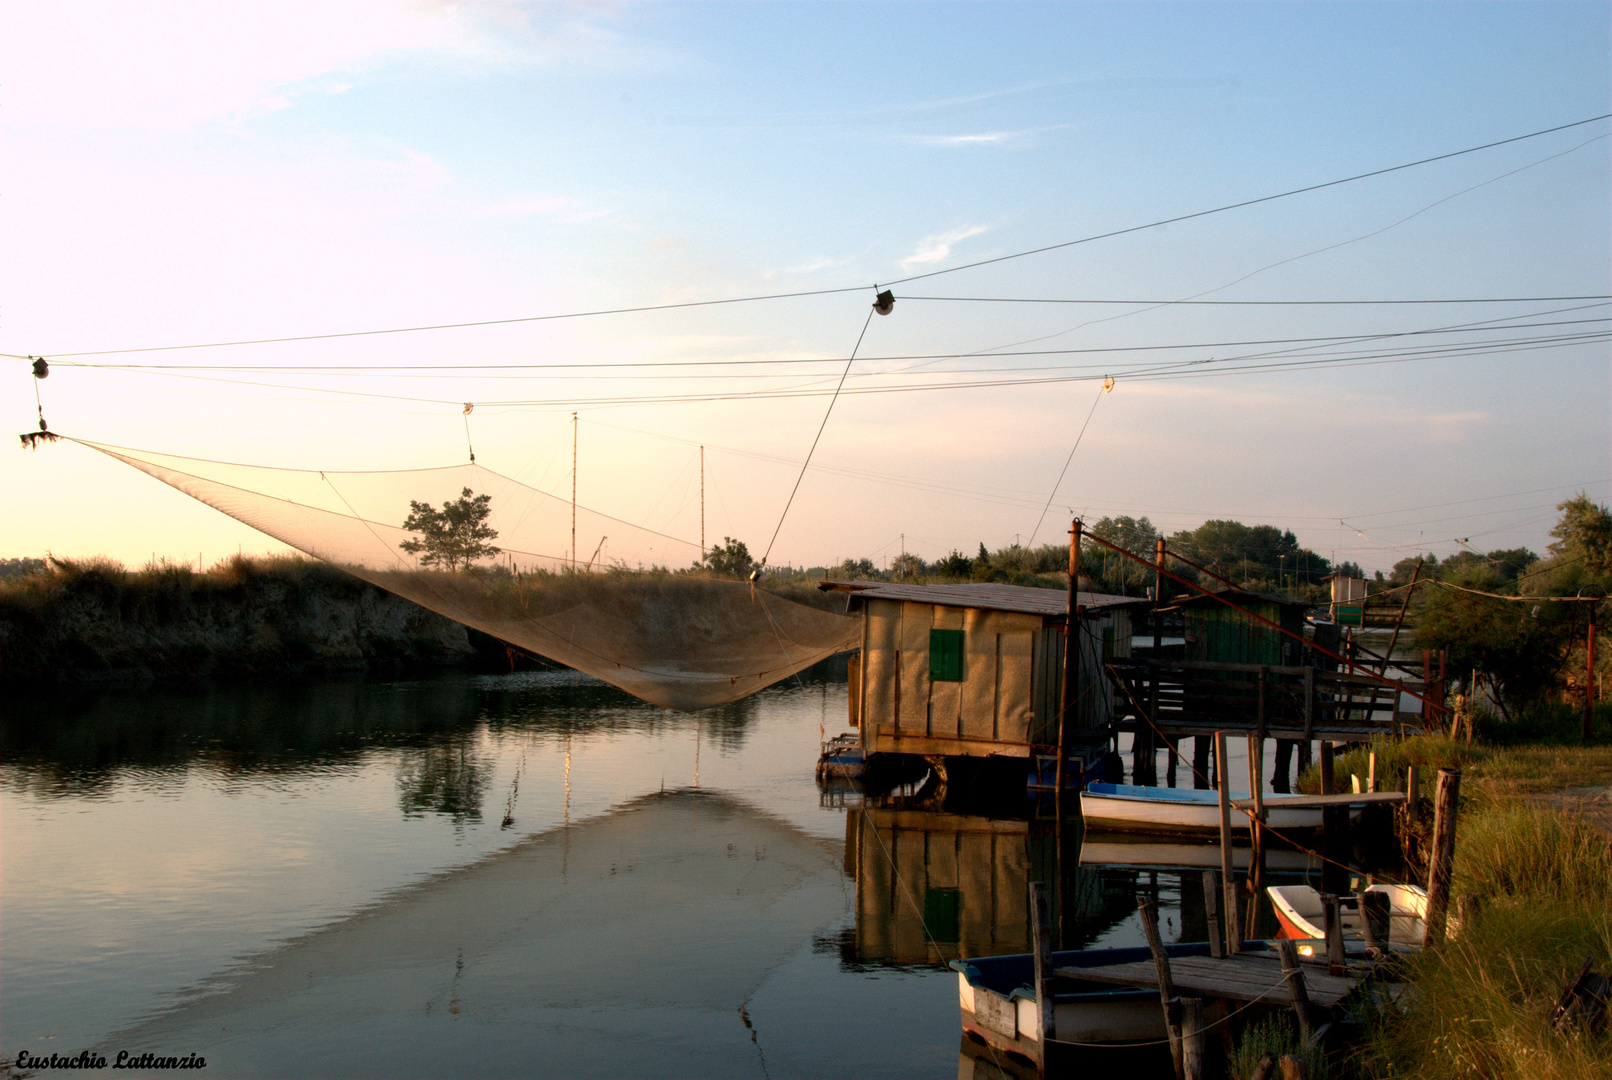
[933, 886]
[950, 672]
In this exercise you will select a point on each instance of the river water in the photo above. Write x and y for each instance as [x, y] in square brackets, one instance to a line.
[529, 874]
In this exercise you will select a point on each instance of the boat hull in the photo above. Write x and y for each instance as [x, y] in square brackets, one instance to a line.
[1300, 913]
[1183, 813]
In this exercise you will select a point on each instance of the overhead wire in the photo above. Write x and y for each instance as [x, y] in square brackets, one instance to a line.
[843, 289]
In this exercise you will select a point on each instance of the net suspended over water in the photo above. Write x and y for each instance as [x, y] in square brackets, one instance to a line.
[678, 640]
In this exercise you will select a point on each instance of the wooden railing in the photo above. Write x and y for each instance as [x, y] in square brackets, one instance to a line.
[1194, 698]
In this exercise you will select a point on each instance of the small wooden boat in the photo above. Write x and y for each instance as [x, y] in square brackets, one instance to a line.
[1195, 812]
[1301, 915]
[997, 1000]
[842, 758]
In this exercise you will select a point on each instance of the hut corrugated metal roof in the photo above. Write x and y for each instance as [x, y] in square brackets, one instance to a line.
[986, 595]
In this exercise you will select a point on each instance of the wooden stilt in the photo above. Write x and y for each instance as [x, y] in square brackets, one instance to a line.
[1228, 876]
[1211, 912]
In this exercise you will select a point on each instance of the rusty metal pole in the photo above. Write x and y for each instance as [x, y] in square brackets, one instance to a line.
[1158, 658]
[1589, 679]
[1071, 663]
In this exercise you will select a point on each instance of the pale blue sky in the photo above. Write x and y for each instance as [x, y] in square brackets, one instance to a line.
[193, 173]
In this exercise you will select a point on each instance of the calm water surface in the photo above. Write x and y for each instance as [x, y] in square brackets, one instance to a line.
[529, 874]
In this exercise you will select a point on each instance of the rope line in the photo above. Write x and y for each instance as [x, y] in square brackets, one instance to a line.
[826, 413]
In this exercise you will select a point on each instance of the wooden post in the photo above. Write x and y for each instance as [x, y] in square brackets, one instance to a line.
[1413, 793]
[1071, 663]
[1309, 714]
[1336, 964]
[1211, 912]
[1228, 877]
[1399, 621]
[1375, 922]
[1371, 771]
[1296, 989]
[1041, 931]
[1441, 857]
[1158, 658]
[1333, 821]
[1192, 1040]
[1295, 1068]
[1588, 731]
[1161, 963]
[1263, 1070]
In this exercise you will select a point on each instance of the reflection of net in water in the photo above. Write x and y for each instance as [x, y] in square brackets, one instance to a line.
[682, 641]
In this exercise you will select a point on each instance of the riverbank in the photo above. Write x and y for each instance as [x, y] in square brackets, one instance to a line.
[93, 622]
[1482, 1003]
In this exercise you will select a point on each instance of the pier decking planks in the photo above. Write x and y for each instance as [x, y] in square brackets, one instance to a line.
[1243, 977]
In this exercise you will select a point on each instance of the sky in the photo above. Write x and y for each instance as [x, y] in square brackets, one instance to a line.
[190, 174]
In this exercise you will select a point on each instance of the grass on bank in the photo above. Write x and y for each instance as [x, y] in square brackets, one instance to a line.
[1480, 1006]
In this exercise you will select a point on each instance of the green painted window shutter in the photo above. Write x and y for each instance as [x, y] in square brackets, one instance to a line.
[946, 655]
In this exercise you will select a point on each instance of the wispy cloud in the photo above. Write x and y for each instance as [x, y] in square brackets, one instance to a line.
[1017, 137]
[935, 248]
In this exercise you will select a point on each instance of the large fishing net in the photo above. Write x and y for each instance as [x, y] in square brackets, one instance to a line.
[681, 640]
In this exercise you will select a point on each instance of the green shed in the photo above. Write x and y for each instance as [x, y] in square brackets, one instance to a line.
[1219, 634]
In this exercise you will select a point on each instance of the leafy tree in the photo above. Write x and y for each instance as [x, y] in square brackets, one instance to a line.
[955, 565]
[731, 558]
[1585, 532]
[453, 537]
[856, 570]
[906, 566]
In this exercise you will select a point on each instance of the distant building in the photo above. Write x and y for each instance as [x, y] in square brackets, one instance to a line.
[1218, 634]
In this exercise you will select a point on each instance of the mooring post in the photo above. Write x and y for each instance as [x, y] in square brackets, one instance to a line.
[1041, 931]
[1192, 1040]
[1374, 919]
[1161, 963]
[1295, 1067]
[1371, 771]
[1413, 793]
[1211, 912]
[1333, 820]
[1441, 857]
[1228, 877]
[1298, 993]
[1263, 1070]
[1336, 964]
